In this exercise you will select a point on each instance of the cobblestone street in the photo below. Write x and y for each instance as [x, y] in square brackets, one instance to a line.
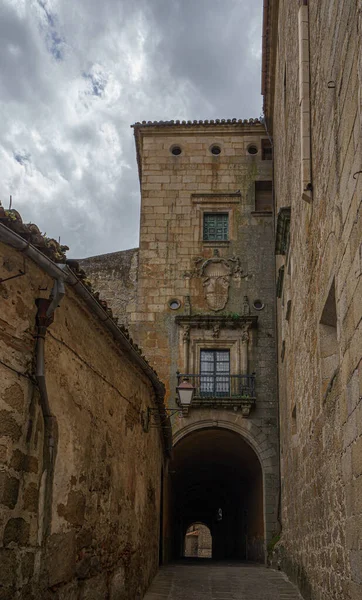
[220, 581]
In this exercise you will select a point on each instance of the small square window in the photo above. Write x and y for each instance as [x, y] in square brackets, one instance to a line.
[216, 227]
[263, 196]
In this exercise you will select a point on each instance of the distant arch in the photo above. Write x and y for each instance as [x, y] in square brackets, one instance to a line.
[198, 541]
[266, 453]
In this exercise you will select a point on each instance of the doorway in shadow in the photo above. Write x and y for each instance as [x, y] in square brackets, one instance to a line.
[217, 481]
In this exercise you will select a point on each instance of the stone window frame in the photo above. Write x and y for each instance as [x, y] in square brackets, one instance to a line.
[203, 332]
[197, 344]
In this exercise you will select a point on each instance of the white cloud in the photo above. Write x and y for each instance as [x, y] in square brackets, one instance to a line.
[75, 75]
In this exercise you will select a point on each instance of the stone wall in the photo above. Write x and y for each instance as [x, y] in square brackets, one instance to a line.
[114, 275]
[94, 533]
[319, 310]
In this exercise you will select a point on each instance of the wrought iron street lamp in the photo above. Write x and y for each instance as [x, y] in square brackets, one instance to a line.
[185, 391]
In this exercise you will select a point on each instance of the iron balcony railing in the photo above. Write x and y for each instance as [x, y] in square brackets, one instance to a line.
[214, 386]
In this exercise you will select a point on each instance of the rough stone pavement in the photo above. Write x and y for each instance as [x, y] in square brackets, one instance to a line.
[220, 581]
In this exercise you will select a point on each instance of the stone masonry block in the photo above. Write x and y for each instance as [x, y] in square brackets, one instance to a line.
[117, 584]
[9, 490]
[60, 558]
[94, 588]
[23, 462]
[356, 566]
[16, 530]
[31, 498]
[357, 458]
[8, 426]
[14, 397]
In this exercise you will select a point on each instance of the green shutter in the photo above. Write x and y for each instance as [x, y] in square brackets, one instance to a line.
[216, 226]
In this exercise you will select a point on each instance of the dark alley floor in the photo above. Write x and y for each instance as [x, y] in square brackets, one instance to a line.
[208, 580]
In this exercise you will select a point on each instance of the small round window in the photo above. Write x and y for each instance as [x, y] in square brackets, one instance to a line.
[258, 305]
[176, 150]
[216, 150]
[174, 304]
[252, 149]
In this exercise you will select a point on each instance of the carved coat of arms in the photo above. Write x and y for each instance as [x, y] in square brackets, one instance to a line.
[216, 274]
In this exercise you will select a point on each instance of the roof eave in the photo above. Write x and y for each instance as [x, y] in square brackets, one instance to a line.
[269, 36]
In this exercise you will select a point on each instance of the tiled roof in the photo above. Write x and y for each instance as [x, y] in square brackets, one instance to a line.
[197, 123]
[57, 253]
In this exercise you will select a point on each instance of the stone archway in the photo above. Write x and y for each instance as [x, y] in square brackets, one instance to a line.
[198, 541]
[245, 464]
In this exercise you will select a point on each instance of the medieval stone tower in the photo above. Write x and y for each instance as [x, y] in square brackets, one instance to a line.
[204, 308]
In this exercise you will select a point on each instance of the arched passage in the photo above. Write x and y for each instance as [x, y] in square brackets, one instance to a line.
[198, 541]
[217, 480]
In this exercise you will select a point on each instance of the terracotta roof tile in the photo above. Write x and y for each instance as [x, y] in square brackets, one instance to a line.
[57, 253]
[195, 123]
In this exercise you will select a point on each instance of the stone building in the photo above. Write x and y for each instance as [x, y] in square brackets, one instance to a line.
[203, 307]
[246, 288]
[312, 85]
[80, 479]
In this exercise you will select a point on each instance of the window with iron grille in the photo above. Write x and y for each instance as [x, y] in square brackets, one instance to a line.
[214, 373]
[216, 227]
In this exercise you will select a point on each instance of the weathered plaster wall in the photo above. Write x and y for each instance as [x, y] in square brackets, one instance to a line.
[104, 515]
[321, 431]
[115, 277]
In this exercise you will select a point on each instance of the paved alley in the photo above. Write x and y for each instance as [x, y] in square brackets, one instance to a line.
[209, 580]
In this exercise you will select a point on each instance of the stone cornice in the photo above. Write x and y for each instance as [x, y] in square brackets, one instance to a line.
[270, 36]
[216, 198]
[223, 321]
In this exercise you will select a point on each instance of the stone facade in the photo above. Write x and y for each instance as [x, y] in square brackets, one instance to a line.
[114, 275]
[80, 479]
[319, 263]
[195, 294]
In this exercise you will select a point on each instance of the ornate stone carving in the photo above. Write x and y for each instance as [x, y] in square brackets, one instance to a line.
[216, 282]
[216, 330]
[187, 305]
[186, 333]
[246, 306]
[245, 336]
[216, 274]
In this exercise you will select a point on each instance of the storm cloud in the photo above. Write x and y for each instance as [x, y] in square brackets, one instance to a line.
[75, 75]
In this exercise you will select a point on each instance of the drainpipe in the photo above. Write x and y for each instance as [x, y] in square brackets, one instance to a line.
[44, 318]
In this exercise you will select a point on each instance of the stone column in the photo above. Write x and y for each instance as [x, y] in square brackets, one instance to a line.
[244, 349]
[186, 341]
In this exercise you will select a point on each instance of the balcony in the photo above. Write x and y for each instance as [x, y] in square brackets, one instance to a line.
[221, 390]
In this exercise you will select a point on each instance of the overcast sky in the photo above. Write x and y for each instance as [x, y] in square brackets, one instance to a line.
[75, 74]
